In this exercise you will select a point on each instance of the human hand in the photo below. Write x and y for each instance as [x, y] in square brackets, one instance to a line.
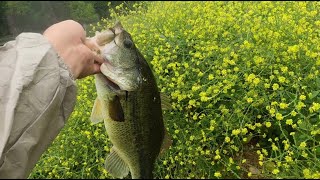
[68, 38]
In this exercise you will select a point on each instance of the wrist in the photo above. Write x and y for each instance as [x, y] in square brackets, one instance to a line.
[65, 66]
[72, 65]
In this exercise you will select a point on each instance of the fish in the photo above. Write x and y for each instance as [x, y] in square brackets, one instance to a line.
[130, 105]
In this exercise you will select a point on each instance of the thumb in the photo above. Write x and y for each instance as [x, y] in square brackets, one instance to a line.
[96, 68]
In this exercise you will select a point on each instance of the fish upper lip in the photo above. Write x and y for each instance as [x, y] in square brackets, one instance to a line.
[106, 61]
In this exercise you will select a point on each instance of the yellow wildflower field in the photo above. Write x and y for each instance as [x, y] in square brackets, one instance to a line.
[243, 79]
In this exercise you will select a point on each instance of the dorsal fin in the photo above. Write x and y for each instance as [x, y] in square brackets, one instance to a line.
[165, 102]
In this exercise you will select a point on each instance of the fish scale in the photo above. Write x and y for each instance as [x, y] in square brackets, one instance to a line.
[138, 136]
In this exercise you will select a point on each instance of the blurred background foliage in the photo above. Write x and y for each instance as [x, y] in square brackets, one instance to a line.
[35, 16]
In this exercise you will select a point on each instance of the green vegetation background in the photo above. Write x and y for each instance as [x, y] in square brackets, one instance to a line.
[243, 79]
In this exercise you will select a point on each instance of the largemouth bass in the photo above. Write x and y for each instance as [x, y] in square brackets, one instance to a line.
[128, 101]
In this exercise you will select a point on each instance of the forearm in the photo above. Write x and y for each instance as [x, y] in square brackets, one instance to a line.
[37, 95]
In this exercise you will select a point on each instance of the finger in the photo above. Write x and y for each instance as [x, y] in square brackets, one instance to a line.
[90, 43]
[97, 58]
[91, 55]
[96, 68]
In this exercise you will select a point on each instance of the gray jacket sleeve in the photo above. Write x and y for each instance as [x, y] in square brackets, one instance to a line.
[37, 95]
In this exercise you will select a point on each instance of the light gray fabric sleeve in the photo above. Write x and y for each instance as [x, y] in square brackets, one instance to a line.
[37, 95]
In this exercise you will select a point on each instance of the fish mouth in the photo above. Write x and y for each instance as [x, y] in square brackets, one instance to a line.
[117, 76]
[112, 85]
[109, 82]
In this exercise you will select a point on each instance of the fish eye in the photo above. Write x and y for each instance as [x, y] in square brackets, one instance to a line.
[127, 43]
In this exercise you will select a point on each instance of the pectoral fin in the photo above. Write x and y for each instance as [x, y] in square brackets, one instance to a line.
[115, 165]
[96, 114]
[165, 102]
[115, 110]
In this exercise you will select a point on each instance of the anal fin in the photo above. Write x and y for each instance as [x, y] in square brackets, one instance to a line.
[115, 165]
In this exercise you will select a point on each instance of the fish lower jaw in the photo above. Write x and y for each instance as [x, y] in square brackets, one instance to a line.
[111, 84]
[115, 78]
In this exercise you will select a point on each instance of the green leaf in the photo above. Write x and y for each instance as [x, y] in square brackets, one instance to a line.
[314, 94]
[318, 151]
[300, 137]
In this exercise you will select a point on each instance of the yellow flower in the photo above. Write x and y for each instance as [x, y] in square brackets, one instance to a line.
[281, 79]
[275, 171]
[260, 163]
[306, 173]
[302, 97]
[275, 86]
[268, 124]
[195, 87]
[236, 132]
[231, 160]
[289, 121]
[274, 147]
[279, 116]
[300, 105]
[293, 113]
[256, 81]
[284, 69]
[210, 77]
[314, 107]
[266, 85]
[244, 131]
[265, 152]
[87, 132]
[293, 49]
[203, 96]
[217, 157]
[251, 77]
[217, 174]
[272, 111]
[283, 105]
[303, 145]
[192, 102]
[227, 139]
[288, 158]
[304, 154]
